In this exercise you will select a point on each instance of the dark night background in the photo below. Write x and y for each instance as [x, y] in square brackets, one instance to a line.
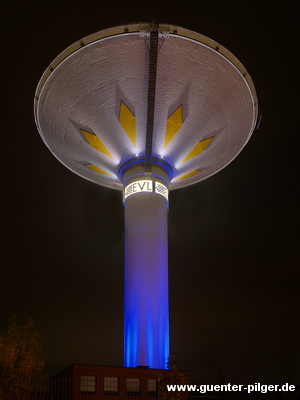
[233, 241]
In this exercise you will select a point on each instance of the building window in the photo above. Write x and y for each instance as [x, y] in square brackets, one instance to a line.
[151, 386]
[132, 385]
[111, 384]
[87, 384]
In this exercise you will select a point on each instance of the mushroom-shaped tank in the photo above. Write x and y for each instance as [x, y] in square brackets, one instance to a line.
[92, 105]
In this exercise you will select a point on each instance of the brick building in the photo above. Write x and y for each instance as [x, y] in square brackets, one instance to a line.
[87, 382]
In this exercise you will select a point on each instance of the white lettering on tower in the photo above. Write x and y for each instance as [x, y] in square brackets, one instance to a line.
[145, 186]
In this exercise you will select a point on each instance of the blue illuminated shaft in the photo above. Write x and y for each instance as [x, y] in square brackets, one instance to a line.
[146, 314]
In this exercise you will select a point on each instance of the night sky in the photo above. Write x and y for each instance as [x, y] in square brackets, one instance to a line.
[233, 238]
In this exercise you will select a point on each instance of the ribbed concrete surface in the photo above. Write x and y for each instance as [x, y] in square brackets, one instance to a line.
[86, 86]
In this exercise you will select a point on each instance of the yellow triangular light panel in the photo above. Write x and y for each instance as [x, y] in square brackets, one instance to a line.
[199, 148]
[95, 142]
[128, 122]
[174, 123]
[97, 169]
[188, 175]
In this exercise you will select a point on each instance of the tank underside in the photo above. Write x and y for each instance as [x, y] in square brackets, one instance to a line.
[95, 106]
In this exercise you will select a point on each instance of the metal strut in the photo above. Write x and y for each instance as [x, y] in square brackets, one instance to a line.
[151, 93]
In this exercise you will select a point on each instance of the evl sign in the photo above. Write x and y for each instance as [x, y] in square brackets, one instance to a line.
[145, 186]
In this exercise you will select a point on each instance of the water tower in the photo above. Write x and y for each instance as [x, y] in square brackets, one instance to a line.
[145, 108]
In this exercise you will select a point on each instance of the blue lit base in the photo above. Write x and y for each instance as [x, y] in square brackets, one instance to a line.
[146, 302]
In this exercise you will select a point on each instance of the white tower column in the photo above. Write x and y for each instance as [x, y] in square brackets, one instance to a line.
[146, 306]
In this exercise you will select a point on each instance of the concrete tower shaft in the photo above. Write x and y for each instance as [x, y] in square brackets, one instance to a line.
[146, 301]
